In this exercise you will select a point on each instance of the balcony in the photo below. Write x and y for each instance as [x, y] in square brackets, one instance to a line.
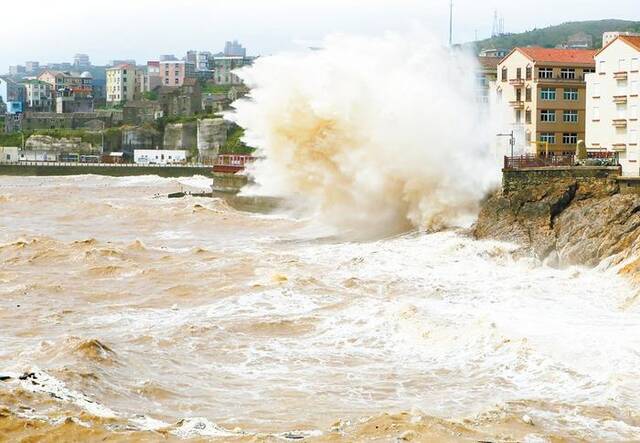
[516, 82]
[620, 99]
[517, 104]
[620, 122]
[555, 80]
[621, 75]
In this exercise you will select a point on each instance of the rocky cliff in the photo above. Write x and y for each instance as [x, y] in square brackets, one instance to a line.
[566, 222]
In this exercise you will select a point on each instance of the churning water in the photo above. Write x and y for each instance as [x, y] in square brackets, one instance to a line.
[143, 318]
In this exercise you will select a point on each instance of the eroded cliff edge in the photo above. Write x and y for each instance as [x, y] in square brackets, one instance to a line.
[567, 221]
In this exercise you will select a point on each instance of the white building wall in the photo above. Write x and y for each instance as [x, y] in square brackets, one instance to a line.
[612, 97]
[159, 156]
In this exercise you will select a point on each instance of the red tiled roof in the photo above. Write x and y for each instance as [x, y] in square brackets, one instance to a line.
[556, 55]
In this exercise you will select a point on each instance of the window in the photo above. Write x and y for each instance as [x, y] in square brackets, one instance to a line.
[634, 87]
[589, 70]
[596, 113]
[634, 64]
[519, 73]
[602, 66]
[548, 93]
[527, 116]
[528, 73]
[518, 116]
[547, 115]
[504, 74]
[568, 73]
[569, 138]
[622, 65]
[545, 73]
[571, 94]
[548, 137]
[528, 94]
[633, 136]
[633, 112]
[570, 116]
[596, 90]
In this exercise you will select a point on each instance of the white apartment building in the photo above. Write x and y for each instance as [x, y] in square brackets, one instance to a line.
[38, 95]
[613, 102]
[122, 83]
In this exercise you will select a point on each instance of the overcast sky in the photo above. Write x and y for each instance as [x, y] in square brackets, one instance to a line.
[51, 31]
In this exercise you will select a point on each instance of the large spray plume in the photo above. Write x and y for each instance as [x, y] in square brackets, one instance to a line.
[377, 135]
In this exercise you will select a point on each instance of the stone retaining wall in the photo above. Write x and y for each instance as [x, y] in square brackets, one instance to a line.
[514, 180]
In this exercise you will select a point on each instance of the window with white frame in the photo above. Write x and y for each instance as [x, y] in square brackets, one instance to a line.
[545, 73]
[548, 115]
[568, 73]
[633, 112]
[596, 113]
[548, 93]
[634, 64]
[634, 87]
[571, 94]
[602, 65]
[595, 90]
[633, 137]
[570, 116]
[622, 65]
[548, 137]
[570, 138]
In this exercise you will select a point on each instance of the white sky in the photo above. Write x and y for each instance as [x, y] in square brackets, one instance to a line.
[53, 31]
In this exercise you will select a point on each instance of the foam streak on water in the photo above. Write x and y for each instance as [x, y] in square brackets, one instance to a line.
[189, 316]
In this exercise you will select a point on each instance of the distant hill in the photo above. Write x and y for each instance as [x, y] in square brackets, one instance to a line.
[556, 35]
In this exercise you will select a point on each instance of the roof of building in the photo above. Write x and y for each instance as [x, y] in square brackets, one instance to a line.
[631, 40]
[557, 55]
[489, 62]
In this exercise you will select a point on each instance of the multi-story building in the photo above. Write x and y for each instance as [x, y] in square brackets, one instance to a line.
[153, 74]
[12, 96]
[544, 90]
[122, 83]
[16, 70]
[32, 67]
[486, 74]
[80, 84]
[174, 73]
[38, 96]
[224, 66]
[613, 101]
[81, 62]
[234, 49]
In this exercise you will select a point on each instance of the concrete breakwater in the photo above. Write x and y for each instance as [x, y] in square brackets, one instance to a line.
[103, 169]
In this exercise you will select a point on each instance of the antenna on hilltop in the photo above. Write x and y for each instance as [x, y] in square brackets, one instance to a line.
[451, 23]
[498, 25]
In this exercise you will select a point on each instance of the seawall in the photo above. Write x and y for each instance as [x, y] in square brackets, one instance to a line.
[109, 170]
[514, 180]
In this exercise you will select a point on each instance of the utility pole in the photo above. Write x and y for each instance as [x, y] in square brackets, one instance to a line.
[451, 23]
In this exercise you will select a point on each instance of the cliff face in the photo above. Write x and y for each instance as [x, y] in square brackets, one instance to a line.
[566, 222]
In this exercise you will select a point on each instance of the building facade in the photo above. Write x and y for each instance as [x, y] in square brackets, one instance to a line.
[174, 73]
[545, 93]
[39, 96]
[12, 96]
[613, 102]
[79, 84]
[122, 84]
[224, 66]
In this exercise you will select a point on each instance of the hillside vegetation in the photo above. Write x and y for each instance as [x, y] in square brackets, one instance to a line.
[556, 35]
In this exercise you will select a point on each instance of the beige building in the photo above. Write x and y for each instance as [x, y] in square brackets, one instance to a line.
[544, 91]
[80, 84]
[122, 83]
[613, 102]
[174, 73]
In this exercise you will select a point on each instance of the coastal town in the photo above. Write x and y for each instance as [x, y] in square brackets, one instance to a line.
[167, 111]
[163, 112]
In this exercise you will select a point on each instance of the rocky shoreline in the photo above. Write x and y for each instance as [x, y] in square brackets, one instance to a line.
[567, 222]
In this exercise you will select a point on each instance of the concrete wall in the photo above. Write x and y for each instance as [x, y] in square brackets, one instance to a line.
[180, 136]
[212, 134]
[514, 180]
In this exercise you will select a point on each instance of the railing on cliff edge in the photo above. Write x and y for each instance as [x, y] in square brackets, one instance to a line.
[602, 158]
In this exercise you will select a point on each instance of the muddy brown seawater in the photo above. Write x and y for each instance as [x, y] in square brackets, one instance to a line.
[128, 316]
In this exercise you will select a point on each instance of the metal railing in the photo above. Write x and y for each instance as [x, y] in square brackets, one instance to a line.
[594, 158]
[106, 165]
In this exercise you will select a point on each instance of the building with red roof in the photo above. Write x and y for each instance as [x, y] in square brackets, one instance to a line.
[543, 94]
